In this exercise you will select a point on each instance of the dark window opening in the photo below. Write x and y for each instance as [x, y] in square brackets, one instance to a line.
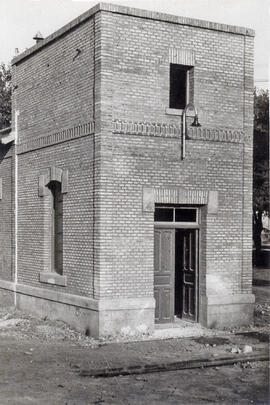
[164, 214]
[176, 214]
[185, 215]
[56, 228]
[178, 86]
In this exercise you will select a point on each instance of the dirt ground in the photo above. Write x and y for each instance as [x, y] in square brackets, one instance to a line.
[40, 360]
[33, 372]
[35, 379]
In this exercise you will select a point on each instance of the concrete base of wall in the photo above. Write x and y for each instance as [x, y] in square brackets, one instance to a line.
[126, 322]
[96, 318]
[95, 323]
[82, 319]
[133, 316]
[228, 311]
[7, 293]
[6, 298]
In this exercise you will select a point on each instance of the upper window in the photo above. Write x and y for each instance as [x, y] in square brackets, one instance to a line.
[179, 86]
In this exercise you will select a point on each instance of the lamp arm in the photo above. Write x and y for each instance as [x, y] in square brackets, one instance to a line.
[188, 106]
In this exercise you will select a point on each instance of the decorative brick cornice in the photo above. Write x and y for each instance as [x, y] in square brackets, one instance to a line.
[164, 130]
[174, 131]
[147, 129]
[58, 137]
[219, 135]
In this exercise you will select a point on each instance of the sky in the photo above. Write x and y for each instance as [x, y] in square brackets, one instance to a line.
[21, 19]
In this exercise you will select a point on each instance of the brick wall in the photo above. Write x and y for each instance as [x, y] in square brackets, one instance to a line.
[54, 86]
[150, 162]
[6, 213]
[136, 62]
[141, 70]
[77, 157]
[55, 98]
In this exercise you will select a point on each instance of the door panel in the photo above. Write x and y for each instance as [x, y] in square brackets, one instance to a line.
[164, 274]
[189, 267]
[166, 310]
[158, 303]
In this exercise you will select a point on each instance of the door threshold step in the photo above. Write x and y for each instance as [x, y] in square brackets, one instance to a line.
[178, 323]
[180, 329]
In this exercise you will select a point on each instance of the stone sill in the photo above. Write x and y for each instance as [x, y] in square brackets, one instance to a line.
[174, 111]
[178, 112]
[53, 278]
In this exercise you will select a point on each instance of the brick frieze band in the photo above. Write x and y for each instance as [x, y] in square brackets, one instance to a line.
[174, 131]
[58, 137]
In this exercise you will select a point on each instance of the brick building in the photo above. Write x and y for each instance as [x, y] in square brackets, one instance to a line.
[115, 212]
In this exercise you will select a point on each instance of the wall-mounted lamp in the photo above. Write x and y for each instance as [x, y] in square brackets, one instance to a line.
[195, 123]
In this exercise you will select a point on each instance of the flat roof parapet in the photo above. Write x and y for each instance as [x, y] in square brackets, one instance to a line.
[135, 12]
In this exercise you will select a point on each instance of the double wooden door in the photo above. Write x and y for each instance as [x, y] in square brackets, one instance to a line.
[176, 274]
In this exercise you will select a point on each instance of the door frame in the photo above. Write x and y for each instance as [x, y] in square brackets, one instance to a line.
[170, 225]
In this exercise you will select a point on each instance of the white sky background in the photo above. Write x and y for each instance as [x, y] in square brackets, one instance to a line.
[21, 19]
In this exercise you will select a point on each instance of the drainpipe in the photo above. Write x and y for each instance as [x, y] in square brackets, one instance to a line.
[16, 205]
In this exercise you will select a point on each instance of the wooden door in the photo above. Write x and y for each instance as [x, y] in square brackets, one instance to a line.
[164, 274]
[189, 266]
